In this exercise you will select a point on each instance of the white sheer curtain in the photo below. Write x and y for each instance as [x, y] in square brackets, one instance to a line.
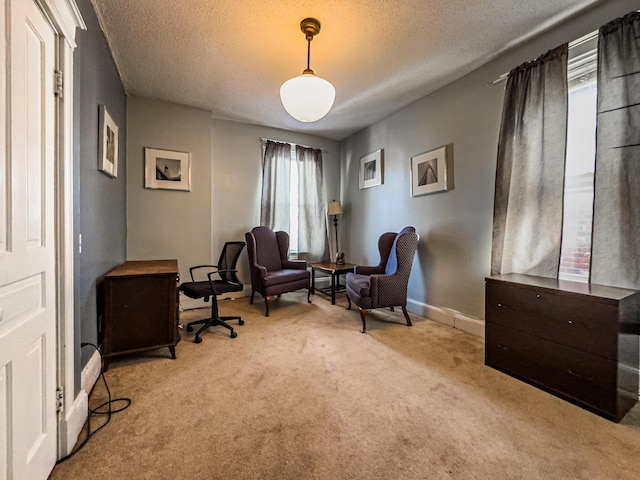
[277, 197]
[527, 223]
[615, 257]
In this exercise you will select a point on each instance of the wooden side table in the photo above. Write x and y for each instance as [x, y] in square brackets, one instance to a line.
[334, 270]
[138, 308]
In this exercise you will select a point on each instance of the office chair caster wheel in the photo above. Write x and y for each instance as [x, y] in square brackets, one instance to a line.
[240, 322]
[189, 328]
[234, 334]
[197, 340]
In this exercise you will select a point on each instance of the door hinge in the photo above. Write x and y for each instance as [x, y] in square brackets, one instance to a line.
[59, 83]
[60, 399]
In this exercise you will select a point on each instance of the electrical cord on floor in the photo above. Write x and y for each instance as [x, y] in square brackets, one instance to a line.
[109, 404]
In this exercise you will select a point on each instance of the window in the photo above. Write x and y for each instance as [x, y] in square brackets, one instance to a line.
[580, 160]
[293, 197]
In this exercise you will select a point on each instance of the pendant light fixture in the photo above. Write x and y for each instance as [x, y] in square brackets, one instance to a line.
[307, 97]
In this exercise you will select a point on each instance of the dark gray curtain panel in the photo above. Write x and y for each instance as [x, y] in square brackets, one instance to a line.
[312, 206]
[615, 255]
[276, 174]
[528, 204]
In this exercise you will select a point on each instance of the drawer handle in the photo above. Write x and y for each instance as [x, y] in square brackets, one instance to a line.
[570, 322]
[537, 295]
[500, 305]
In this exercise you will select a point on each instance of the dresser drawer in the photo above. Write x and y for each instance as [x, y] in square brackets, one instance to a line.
[583, 378]
[567, 319]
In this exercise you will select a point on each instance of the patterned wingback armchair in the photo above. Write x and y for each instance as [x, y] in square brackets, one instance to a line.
[385, 242]
[272, 273]
[385, 285]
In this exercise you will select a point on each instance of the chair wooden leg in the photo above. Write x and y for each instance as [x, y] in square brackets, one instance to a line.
[406, 316]
[267, 301]
[309, 295]
[253, 292]
[363, 316]
[348, 302]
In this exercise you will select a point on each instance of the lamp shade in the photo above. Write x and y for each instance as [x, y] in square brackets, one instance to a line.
[335, 208]
[307, 97]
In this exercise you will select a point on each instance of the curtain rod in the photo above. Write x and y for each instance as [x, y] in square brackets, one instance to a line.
[292, 143]
[584, 39]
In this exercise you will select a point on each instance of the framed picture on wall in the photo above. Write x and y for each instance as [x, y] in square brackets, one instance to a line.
[430, 172]
[166, 169]
[371, 169]
[107, 143]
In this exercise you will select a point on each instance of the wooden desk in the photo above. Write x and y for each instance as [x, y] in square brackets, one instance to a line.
[138, 308]
[334, 270]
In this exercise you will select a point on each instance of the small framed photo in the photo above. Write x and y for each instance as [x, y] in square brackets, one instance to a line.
[371, 169]
[107, 144]
[429, 172]
[166, 169]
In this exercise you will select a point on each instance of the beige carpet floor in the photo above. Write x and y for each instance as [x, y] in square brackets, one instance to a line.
[303, 394]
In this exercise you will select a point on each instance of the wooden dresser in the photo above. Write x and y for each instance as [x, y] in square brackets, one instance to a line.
[138, 308]
[575, 340]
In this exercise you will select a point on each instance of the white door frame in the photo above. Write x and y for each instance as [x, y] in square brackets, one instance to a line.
[65, 18]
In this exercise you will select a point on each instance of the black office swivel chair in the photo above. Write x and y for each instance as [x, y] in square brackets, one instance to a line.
[228, 282]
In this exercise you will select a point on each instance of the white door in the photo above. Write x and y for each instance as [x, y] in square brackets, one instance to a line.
[27, 251]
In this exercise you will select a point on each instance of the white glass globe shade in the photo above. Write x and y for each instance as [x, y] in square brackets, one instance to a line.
[307, 98]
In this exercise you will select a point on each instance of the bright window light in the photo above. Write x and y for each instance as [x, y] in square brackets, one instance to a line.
[575, 255]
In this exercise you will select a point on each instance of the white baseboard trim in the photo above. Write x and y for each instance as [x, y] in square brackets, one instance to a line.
[447, 316]
[91, 372]
[325, 282]
[469, 324]
[629, 372]
[74, 420]
[76, 415]
[187, 303]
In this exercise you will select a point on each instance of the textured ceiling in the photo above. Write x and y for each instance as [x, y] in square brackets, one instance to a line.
[231, 56]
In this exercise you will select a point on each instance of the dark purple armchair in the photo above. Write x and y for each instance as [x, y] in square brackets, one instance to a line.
[385, 285]
[272, 273]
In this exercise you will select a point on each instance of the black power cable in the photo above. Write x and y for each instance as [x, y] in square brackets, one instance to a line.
[98, 410]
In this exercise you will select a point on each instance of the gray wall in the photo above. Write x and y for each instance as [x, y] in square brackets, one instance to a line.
[99, 200]
[455, 226]
[237, 178]
[224, 201]
[163, 224]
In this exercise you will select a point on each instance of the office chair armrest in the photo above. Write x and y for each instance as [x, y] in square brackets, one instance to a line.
[215, 267]
[218, 271]
[294, 264]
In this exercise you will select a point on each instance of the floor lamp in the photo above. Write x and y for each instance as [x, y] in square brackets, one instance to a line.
[335, 209]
